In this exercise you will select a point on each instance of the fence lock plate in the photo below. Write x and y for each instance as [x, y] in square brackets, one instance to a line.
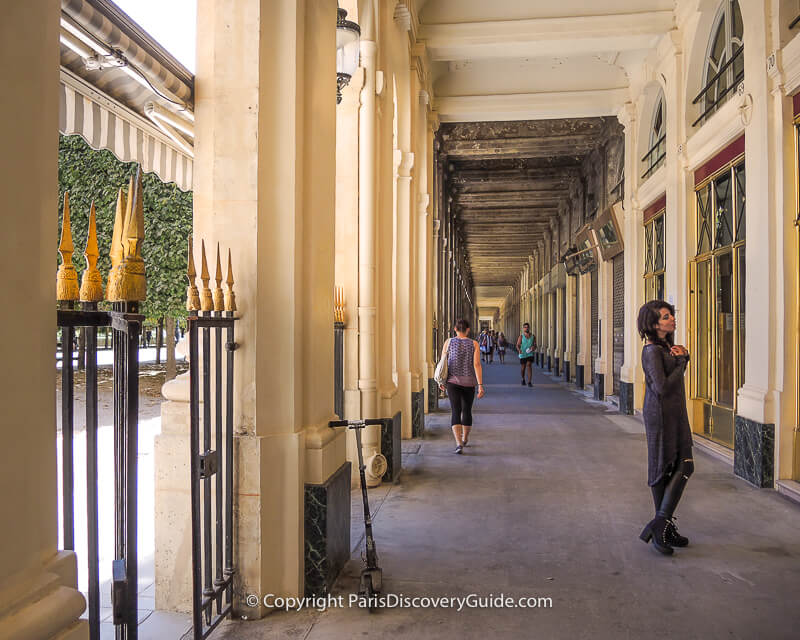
[209, 462]
[119, 587]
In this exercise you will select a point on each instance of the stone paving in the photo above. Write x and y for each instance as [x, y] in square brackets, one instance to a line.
[548, 501]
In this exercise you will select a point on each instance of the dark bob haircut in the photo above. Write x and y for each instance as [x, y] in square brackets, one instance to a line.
[462, 324]
[649, 316]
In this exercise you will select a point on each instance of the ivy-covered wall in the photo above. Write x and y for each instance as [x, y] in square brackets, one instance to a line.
[91, 175]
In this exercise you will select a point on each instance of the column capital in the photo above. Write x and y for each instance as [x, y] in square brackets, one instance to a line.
[406, 163]
[626, 115]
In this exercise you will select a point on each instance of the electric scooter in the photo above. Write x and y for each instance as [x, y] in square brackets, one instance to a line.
[372, 574]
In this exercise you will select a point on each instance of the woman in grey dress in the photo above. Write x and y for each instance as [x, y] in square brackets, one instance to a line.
[669, 438]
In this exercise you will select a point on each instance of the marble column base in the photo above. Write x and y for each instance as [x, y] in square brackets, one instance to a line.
[599, 386]
[549, 363]
[417, 413]
[391, 447]
[556, 367]
[754, 451]
[327, 531]
[626, 398]
[579, 376]
[433, 395]
[566, 371]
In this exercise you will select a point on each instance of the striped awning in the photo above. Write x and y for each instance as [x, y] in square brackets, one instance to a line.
[107, 124]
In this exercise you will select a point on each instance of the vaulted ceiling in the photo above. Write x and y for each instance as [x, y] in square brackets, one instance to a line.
[537, 79]
[507, 181]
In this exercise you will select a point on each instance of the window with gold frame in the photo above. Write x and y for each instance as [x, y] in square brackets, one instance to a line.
[717, 302]
[654, 257]
[796, 465]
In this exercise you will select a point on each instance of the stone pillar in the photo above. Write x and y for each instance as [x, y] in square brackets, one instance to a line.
[404, 308]
[758, 398]
[631, 371]
[584, 367]
[265, 186]
[603, 372]
[38, 582]
[367, 256]
[346, 238]
[559, 363]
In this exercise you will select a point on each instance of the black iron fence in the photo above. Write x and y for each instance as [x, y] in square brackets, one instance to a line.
[211, 452]
[126, 327]
[211, 468]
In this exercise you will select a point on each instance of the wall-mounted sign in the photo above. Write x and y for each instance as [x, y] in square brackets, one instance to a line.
[609, 232]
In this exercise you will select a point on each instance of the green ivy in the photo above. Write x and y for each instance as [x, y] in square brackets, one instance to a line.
[91, 175]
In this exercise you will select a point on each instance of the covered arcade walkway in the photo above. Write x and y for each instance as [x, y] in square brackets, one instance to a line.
[548, 501]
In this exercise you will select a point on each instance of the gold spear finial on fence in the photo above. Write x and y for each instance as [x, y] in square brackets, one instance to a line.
[219, 298]
[116, 251]
[230, 297]
[92, 281]
[206, 301]
[66, 277]
[133, 284]
[338, 304]
[192, 294]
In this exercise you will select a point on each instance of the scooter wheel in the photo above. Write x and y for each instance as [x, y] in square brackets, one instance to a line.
[369, 593]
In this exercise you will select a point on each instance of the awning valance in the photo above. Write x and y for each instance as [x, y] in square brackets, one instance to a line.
[107, 124]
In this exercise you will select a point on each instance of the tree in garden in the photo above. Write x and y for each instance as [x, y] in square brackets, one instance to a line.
[96, 176]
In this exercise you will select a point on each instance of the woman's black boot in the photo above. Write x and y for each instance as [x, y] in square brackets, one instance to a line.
[656, 530]
[674, 538]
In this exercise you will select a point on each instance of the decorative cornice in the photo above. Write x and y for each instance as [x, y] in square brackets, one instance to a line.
[402, 15]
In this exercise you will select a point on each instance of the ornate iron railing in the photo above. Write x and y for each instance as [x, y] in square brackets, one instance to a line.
[660, 151]
[712, 105]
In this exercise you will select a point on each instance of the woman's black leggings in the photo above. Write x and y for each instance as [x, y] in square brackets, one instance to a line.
[667, 492]
[461, 399]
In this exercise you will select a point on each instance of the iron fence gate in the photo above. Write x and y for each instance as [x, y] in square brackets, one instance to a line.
[126, 327]
[211, 465]
[211, 314]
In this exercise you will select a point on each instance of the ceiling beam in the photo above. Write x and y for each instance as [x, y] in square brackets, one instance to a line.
[545, 37]
[531, 106]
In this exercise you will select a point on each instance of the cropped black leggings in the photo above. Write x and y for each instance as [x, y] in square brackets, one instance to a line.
[667, 492]
[461, 399]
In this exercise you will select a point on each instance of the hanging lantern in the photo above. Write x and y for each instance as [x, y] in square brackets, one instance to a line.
[347, 50]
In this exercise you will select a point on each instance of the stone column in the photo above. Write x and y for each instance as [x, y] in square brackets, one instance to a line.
[758, 398]
[38, 582]
[603, 372]
[584, 369]
[404, 288]
[631, 372]
[265, 186]
[559, 333]
[367, 239]
[346, 239]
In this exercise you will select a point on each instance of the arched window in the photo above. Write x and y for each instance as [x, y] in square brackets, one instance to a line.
[724, 65]
[657, 147]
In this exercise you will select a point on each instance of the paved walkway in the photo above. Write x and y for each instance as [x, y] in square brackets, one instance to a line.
[548, 501]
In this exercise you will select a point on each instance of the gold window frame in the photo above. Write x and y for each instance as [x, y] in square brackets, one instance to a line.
[704, 408]
[650, 244]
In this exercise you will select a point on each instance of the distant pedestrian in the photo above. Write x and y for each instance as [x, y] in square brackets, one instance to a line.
[464, 373]
[502, 345]
[666, 422]
[483, 343]
[526, 345]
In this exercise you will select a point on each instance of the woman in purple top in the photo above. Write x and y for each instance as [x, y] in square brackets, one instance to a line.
[464, 373]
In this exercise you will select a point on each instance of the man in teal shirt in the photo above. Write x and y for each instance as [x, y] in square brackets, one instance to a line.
[526, 345]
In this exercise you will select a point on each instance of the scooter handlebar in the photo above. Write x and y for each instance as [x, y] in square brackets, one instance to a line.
[351, 423]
